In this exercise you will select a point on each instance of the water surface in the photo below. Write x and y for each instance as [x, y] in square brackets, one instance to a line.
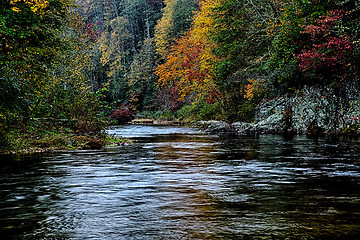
[179, 183]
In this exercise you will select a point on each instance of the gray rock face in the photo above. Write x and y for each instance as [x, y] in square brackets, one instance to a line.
[312, 110]
[272, 124]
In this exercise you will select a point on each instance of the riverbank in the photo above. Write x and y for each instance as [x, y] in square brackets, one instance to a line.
[312, 111]
[270, 126]
[27, 142]
[158, 122]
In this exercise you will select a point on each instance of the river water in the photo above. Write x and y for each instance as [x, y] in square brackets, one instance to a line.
[179, 183]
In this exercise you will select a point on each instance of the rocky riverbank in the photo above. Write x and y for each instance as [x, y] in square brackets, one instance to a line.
[311, 111]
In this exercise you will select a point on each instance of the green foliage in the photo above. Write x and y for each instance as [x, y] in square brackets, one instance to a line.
[352, 130]
[123, 56]
[183, 17]
[146, 115]
[30, 42]
[158, 114]
[200, 110]
[43, 71]
[167, 115]
[229, 32]
[141, 76]
[288, 42]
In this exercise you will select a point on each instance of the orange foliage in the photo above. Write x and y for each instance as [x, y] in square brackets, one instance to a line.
[253, 88]
[189, 66]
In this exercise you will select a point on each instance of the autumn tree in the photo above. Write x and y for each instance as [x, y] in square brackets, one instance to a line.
[188, 68]
[44, 59]
[124, 27]
[328, 59]
[177, 18]
[289, 40]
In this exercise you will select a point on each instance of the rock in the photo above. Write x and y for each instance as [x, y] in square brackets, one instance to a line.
[142, 121]
[214, 126]
[312, 111]
[242, 127]
[269, 116]
[273, 124]
[266, 109]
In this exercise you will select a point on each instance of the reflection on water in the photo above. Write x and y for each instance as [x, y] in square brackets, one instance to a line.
[176, 183]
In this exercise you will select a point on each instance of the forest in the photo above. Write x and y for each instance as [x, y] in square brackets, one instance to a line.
[70, 68]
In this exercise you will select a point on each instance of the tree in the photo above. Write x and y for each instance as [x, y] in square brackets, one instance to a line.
[241, 34]
[44, 61]
[188, 68]
[289, 40]
[123, 25]
[328, 57]
[177, 18]
[30, 33]
[141, 76]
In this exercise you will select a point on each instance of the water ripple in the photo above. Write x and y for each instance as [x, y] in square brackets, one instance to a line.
[178, 183]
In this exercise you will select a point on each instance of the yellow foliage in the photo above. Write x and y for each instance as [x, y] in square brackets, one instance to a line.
[252, 88]
[189, 63]
[36, 6]
[162, 29]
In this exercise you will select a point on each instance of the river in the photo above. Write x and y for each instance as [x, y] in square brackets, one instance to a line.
[179, 183]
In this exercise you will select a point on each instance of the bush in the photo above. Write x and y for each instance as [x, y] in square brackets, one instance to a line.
[146, 114]
[122, 115]
[167, 115]
[158, 114]
[200, 111]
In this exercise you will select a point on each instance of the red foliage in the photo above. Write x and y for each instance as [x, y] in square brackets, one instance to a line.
[213, 96]
[168, 99]
[324, 24]
[123, 114]
[192, 63]
[198, 4]
[329, 54]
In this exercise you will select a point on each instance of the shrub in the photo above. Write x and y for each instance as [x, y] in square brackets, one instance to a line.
[200, 111]
[122, 115]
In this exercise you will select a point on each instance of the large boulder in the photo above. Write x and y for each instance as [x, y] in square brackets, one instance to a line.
[269, 116]
[275, 123]
[213, 126]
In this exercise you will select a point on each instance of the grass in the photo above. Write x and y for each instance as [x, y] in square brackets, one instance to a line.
[42, 138]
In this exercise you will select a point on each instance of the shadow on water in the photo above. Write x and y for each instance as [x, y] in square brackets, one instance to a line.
[177, 183]
[28, 191]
